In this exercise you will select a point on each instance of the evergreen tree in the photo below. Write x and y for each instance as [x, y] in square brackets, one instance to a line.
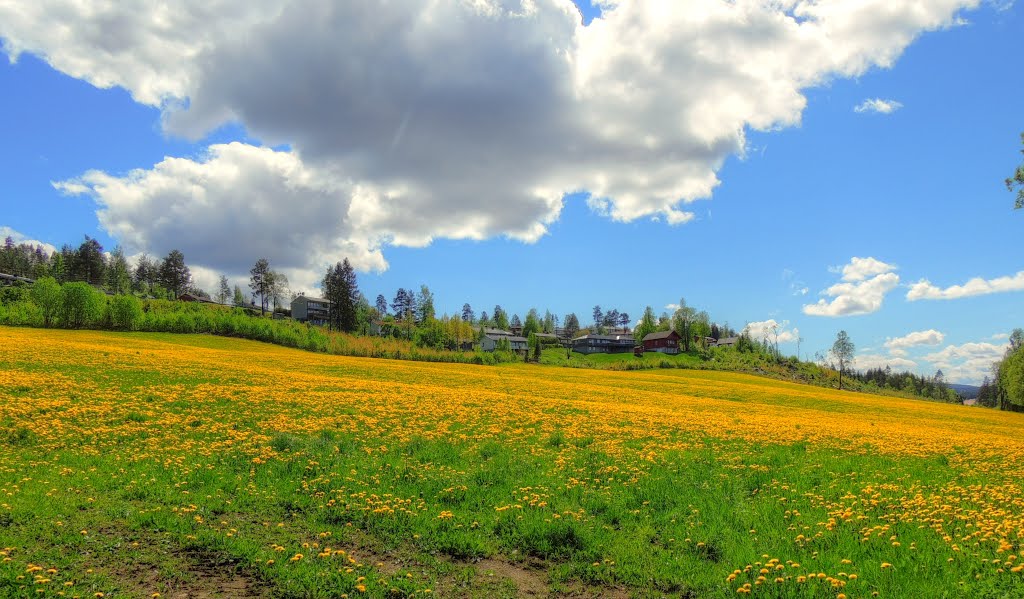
[382, 305]
[174, 275]
[598, 317]
[467, 313]
[238, 298]
[260, 281]
[223, 290]
[515, 322]
[89, 264]
[500, 318]
[341, 289]
[118, 273]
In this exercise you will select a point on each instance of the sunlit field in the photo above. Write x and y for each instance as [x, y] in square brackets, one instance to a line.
[133, 465]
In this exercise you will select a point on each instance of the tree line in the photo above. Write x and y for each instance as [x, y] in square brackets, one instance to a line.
[1005, 388]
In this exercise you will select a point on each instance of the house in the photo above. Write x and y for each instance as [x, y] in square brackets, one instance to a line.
[491, 340]
[314, 310]
[603, 344]
[665, 342]
[726, 342]
[547, 338]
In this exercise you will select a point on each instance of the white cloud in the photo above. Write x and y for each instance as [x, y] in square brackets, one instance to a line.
[967, 363]
[19, 239]
[878, 105]
[898, 346]
[869, 361]
[768, 329]
[862, 268]
[234, 205]
[454, 118]
[924, 289]
[866, 282]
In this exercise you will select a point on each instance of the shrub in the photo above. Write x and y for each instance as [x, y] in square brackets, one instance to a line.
[81, 305]
[46, 293]
[125, 312]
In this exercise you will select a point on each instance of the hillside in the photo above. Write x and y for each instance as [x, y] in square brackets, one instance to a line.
[140, 463]
[965, 391]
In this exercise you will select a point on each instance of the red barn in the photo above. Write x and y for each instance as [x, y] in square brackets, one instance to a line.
[666, 342]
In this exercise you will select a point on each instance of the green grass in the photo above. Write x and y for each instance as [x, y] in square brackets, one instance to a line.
[150, 463]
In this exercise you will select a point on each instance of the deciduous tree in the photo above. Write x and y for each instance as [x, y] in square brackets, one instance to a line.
[842, 353]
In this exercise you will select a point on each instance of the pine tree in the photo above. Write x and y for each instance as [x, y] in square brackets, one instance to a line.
[260, 281]
[174, 275]
[223, 290]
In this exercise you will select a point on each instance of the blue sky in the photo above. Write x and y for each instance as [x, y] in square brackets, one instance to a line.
[919, 190]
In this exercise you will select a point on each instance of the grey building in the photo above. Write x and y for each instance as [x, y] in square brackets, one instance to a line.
[492, 337]
[604, 344]
[314, 310]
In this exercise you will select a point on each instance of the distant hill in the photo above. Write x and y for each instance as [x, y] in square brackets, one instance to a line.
[965, 391]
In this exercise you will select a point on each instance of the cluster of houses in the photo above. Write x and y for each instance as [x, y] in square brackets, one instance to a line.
[315, 310]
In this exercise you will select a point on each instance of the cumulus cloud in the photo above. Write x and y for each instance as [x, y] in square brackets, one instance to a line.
[231, 206]
[19, 238]
[899, 345]
[865, 283]
[878, 105]
[870, 361]
[462, 119]
[768, 329]
[967, 363]
[925, 290]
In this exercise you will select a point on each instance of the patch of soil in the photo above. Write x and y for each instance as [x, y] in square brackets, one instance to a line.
[150, 562]
[529, 582]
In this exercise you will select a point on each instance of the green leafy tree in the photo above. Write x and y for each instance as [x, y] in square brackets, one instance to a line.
[1016, 181]
[425, 305]
[81, 305]
[279, 289]
[842, 352]
[46, 294]
[238, 298]
[532, 324]
[125, 312]
[682, 322]
[648, 324]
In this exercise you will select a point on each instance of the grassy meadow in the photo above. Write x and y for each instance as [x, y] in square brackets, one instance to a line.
[154, 464]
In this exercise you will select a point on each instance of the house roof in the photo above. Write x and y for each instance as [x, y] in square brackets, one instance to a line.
[489, 331]
[727, 341]
[310, 298]
[606, 338]
[546, 335]
[511, 338]
[659, 335]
